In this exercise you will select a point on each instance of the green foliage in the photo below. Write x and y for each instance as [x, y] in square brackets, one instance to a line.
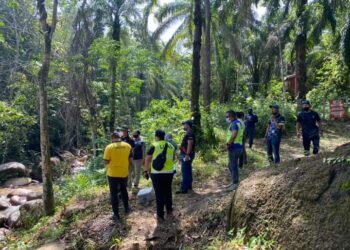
[166, 115]
[14, 126]
[240, 241]
[79, 184]
[345, 43]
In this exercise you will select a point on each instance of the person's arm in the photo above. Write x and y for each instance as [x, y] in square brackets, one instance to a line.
[148, 161]
[281, 123]
[319, 123]
[189, 149]
[106, 157]
[234, 132]
[267, 130]
[130, 158]
[143, 152]
[298, 128]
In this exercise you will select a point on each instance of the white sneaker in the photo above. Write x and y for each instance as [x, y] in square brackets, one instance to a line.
[229, 185]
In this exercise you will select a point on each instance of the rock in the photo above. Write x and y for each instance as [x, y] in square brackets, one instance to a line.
[20, 192]
[3, 234]
[4, 203]
[17, 182]
[55, 161]
[12, 169]
[34, 196]
[67, 157]
[14, 220]
[33, 205]
[77, 170]
[18, 200]
[53, 246]
[296, 202]
[5, 214]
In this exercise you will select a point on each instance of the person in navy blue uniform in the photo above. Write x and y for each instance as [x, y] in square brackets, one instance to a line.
[273, 134]
[251, 119]
[308, 126]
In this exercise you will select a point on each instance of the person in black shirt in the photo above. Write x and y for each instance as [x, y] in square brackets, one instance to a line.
[138, 159]
[309, 125]
[126, 137]
[187, 154]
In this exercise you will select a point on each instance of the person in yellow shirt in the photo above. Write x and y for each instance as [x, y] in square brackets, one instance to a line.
[118, 159]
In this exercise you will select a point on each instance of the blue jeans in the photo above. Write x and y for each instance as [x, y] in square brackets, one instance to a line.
[273, 148]
[251, 132]
[186, 172]
[233, 159]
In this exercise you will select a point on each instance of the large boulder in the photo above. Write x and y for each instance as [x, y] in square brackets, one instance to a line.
[6, 214]
[4, 203]
[12, 169]
[305, 203]
[17, 182]
[4, 233]
[18, 200]
[20, 192]
[14, 220]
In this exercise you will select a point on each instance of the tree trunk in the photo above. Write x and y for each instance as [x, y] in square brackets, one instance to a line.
[196, 78]
[116, 37]
[48, 31]
[300, 49]
[207, 55]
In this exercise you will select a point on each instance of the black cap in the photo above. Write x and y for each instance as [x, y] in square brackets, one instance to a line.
[160, 134]
[188, 122]
[305, 102]
[115, 134]
[274, 106]
[124, 128]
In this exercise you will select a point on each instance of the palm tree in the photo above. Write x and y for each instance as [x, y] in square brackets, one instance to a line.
[307, 23]
[196, 78]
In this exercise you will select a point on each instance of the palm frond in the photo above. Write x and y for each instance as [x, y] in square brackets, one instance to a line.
[178, 35]
[171, 9]
[166, 25]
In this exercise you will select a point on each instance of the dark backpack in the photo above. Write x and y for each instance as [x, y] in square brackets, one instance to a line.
[159, 162]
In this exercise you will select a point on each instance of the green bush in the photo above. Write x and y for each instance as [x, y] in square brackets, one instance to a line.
[166, 115]
[14, 126]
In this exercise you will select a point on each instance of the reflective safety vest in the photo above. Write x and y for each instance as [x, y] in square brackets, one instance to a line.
[240, 133]
[169, 163]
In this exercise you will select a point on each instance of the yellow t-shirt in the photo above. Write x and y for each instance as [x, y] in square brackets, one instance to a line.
[118, 155]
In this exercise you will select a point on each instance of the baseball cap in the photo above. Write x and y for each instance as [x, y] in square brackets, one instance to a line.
[305, 102]
[188, 122]
[274, 106]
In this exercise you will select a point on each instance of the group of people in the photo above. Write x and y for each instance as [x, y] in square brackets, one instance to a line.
[308, 127]
[126, 157]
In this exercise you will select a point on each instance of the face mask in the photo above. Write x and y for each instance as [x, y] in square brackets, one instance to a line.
[306, 108]
[228, 120]
[120, 134]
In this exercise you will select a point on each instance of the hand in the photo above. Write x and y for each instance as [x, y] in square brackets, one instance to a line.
[187, 158]
[146, 175]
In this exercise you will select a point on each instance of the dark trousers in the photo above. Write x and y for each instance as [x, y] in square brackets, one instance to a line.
[251, 132]
[116, 185]
[243, 158]
[273, 148]
[186, 172]
[233, 160]
[307, 139]
[162, 188]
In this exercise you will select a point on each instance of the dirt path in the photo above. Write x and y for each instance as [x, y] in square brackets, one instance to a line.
[145, 232]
